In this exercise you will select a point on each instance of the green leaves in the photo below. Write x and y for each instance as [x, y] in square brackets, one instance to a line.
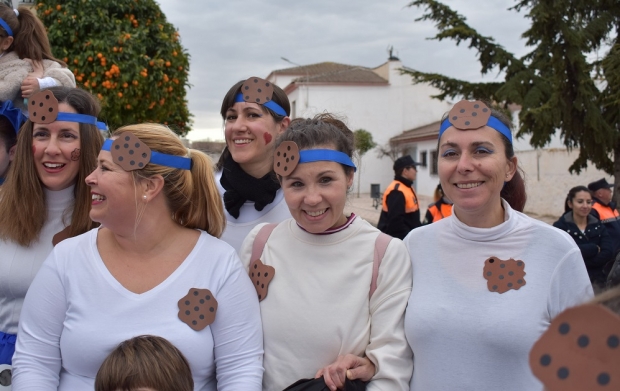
[125, 53]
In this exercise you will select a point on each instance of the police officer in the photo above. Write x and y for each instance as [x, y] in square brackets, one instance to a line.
[604, 209]
[401, 210]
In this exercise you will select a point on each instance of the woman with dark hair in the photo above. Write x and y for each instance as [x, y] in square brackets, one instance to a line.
[26, 60]
[331, 307]
[252, 122]
[588, 232]
[44, 199]
[488, 280]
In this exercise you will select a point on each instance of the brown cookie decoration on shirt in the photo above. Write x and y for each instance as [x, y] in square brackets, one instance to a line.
[467, 115]
[197, 309]
[261, 275]
[42, 107]
[257, 90]
[286, 158]
[579, 351]
[129, 152]
[503, 276]
[60, 236]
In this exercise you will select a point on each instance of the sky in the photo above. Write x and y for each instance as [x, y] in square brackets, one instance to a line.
[232, 40]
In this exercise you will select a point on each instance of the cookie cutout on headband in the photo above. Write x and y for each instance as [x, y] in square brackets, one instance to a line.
[129, 152]
[503, 276]
[197, 309]
[466, 115]
[579, 351]
[286, 158]
[43, 107]
[261, 275]
[257, 90]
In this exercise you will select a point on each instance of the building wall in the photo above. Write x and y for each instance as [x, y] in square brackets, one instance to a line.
[385, 111]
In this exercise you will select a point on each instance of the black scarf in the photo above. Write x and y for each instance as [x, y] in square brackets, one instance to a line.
[241, 187]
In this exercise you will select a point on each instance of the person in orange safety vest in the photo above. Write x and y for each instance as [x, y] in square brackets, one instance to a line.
[604, 209]
[440, 209]
[401, 210]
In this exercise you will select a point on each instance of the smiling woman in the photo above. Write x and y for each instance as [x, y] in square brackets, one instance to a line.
[487, 280]
[329, 310]
[44, 199]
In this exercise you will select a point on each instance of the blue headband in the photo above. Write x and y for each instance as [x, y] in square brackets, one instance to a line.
[329, 155]
[492, 123]
[13, 114]
[82, 119]
[273, 106]
[6, 27]
[162, 159]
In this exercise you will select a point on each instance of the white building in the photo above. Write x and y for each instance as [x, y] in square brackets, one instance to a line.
[379, 100]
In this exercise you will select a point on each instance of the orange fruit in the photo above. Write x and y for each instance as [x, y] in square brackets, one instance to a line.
[120, 94]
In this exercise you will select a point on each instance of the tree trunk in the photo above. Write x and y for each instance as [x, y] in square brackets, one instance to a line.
[359, 176]
[617, 173]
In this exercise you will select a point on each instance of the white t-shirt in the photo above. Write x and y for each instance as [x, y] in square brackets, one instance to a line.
[465, 337]
[76, 313]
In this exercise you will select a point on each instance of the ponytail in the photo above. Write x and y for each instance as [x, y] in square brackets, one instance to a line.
[31, 38]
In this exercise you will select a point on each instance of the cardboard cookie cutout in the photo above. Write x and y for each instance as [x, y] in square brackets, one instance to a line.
[579, 351]
[467, 115]
[60, 236]
[43, 107]
[129, 152]
[197, 309]
[503, 276]
[5, 377]
[261, 275]
[286, 158]
[257, 90]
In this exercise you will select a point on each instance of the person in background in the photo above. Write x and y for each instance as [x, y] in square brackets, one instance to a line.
[330, 306]
[245, 177]
[488, 280]
[400, 212]
[605, 210]
[11, 119]
[26, 60]
[440, 209]
[587, 231]
[155, 266]
[146, 362]
[44, 199]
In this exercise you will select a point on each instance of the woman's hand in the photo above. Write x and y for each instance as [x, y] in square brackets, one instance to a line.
[347, 366]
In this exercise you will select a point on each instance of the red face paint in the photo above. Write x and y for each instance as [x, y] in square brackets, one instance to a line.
[268, 137]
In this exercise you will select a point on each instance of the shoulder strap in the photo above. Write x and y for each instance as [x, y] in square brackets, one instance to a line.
[381, 245]
[260, 240]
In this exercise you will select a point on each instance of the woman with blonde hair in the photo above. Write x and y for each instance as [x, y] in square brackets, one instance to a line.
[44, 198]
[155, 266]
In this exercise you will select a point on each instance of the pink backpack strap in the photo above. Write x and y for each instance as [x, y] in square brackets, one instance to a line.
[381, 245]
[260, 240]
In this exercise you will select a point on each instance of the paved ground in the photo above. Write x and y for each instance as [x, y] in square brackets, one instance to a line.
[363, 207]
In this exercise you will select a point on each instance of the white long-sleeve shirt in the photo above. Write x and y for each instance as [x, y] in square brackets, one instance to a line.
[317, 305]
[76, 313]
[467, 338]
[237, 229]
[19, 264]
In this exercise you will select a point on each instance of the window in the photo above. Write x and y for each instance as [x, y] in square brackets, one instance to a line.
[293, 109]
[434, 156]
[423, 158]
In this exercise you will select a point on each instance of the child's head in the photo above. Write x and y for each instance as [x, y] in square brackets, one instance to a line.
[145, 363]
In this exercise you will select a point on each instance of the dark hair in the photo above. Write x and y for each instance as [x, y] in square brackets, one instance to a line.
[146, 361]
[572, 193]
[323, 129]
[22, 193]
[279, 96]
[29, 36]
[514, 190]
[7, 133]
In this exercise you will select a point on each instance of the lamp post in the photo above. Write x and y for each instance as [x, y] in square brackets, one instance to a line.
[307, 78]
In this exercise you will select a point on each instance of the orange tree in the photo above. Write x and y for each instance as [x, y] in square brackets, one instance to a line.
[124, 52]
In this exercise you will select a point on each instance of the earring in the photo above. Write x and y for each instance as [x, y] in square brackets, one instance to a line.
[144, 197]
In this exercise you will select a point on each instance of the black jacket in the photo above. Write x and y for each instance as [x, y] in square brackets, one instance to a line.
[396, 222]
[596, 245]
